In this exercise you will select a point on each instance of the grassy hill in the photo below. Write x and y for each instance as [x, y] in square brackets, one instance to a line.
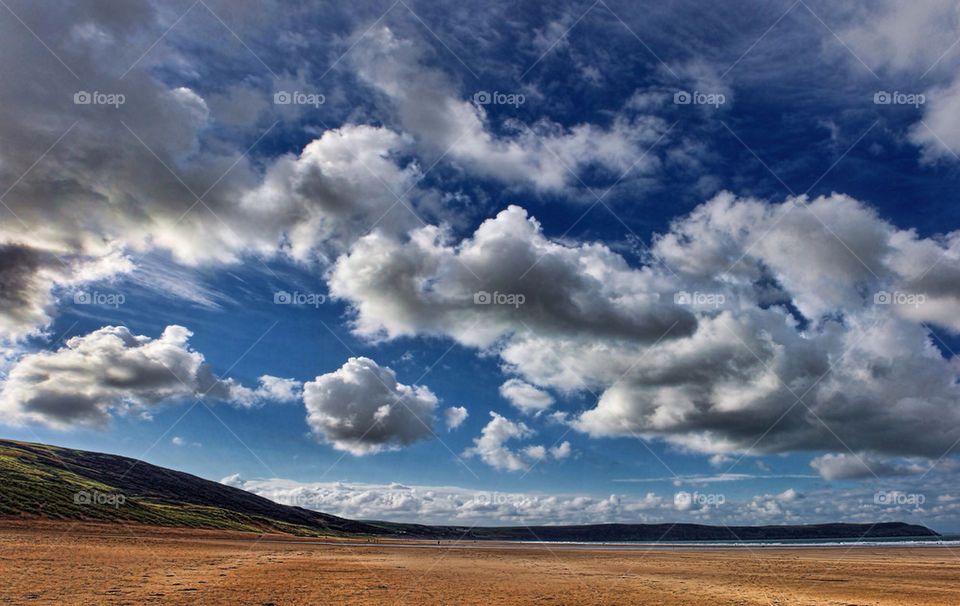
[61, 483]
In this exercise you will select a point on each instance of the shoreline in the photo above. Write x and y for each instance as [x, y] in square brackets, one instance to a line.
[93, 530]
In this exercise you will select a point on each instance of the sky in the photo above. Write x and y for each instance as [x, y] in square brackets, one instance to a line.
[581, 262]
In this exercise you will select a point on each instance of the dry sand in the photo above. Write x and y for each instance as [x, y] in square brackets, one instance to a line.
[66, 563]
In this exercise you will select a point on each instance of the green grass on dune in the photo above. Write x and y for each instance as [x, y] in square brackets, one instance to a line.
[28, 486]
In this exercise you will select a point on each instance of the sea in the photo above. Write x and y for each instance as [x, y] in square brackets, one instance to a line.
[943, 541]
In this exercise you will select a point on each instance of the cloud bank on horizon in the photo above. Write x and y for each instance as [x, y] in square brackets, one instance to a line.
[643, 250]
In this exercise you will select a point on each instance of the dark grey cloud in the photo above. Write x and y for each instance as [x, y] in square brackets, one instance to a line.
[506, 277]
[24, 297]
[95, 186]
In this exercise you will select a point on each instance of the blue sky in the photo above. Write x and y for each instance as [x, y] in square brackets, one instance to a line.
[389, 161]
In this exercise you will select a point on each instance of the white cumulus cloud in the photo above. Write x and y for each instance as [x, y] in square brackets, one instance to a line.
[113, 371]
[741, 307]
[492, 447]
[362, 408]
[454, 416]
[525, 397]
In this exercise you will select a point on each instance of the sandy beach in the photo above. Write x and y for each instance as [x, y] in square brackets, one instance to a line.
[65, 563]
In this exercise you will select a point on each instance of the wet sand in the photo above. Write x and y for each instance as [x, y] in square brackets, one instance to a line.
[66, 563]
